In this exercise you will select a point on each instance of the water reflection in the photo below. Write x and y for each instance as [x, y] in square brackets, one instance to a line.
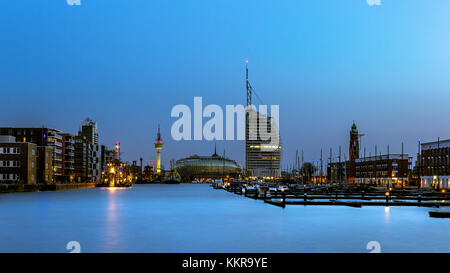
[196, 218]
[115, 189]
[387, 213]
[113, 221]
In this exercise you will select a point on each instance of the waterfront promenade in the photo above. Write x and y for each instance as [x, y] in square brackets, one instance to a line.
[11, 188]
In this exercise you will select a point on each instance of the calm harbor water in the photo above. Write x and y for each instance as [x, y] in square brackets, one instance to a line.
[197, 218]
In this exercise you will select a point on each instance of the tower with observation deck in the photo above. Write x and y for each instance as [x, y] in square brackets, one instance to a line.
[158, 146]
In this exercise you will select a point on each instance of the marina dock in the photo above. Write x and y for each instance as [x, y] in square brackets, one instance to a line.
[351, 196]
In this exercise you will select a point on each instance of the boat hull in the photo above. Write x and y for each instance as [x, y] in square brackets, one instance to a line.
[440, 214]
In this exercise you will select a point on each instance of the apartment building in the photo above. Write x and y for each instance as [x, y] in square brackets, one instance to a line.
[18, 161]
[434, 166]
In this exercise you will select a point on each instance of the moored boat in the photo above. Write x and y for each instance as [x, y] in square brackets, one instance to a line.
[172, 180]
[115, 175]
[439, 214]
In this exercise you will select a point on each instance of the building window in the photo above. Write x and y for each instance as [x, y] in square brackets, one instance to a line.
[33, 152]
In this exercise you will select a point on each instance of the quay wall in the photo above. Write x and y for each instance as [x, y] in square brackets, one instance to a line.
[10, 188]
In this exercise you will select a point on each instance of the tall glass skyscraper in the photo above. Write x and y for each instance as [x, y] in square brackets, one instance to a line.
[262, 155]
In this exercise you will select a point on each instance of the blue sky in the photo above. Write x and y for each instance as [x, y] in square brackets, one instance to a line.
[326, 63]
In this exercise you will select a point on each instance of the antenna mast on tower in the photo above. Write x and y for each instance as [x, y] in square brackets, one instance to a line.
[249, 87]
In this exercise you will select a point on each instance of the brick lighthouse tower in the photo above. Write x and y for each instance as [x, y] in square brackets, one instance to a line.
[353, 153]
[158, 147]
[354, 143]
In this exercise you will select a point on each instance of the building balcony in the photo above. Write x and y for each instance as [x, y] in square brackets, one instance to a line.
[54, 134]
[57, 159]
[57, 163]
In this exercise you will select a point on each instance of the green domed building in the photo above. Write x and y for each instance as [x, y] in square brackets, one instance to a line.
[204, 167]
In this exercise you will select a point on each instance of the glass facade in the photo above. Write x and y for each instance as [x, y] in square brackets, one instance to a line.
[207, 167]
